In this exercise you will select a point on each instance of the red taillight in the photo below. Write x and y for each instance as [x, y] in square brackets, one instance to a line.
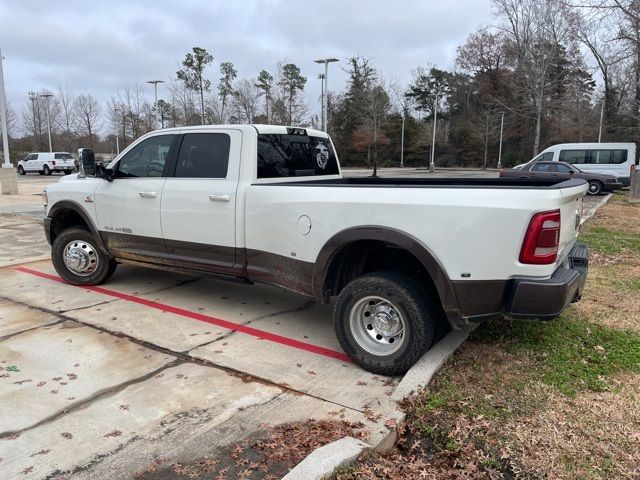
[500, 174]
[53, 162]
[540, 246]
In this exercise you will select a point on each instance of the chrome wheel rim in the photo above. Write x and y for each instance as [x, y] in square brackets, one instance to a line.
[377, 325]
[593, 188]
[81, 258]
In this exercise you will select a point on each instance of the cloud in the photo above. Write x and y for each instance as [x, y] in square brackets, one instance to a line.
[97, 47]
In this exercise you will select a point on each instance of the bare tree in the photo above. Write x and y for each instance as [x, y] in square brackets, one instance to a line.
[88, 110]
[484, 127]
[245, 101]
[538, 31]
[68, 115]
[34, 120]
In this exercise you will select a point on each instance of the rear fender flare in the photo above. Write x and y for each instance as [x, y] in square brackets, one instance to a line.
[396, 237]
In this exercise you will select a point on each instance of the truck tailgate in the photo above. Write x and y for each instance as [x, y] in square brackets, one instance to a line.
[570, 216]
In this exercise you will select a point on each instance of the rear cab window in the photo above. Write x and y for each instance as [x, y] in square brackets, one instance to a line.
[295, 155]
[63, 156]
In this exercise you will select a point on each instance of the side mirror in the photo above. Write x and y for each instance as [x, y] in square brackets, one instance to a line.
[88, 161]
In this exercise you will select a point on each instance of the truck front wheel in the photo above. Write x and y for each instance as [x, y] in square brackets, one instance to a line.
[385, 322]
[77, 259]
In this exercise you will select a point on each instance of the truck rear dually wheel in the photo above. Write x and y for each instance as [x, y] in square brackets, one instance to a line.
[385, 322]
[77, 260]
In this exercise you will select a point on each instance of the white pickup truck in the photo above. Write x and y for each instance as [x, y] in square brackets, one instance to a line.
[45, 163]
[269, 204]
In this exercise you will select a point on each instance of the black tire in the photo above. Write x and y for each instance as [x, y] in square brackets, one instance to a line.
[595, 187]
[40, 172]
[67, 172]
[21, 170]
[414, 304]
[46, 170]
[106, 265]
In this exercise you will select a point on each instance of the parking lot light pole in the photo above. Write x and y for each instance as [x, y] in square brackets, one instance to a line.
[325, 91]
[402, 143]
[48, 95]
[601, 119]
[432, 165]
[155, 92]
[321, 77]
[500, 147]
[33, 96]
[8, 180]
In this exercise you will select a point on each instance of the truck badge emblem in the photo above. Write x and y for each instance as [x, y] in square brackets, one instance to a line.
[322, 157]
[88, 199]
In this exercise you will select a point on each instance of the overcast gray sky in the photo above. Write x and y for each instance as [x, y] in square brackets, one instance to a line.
[96, 47]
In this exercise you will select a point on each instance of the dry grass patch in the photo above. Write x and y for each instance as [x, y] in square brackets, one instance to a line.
[594, 435]
[618, 215]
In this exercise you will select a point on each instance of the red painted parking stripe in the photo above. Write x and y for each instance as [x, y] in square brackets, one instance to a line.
[254, 332]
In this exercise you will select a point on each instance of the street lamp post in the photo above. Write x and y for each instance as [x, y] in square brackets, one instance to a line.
[325, 90]
[48, 95]
[321, 77]
[3, 120]
[33, 96]
[500, 147]
[155, 91]
[8, 180]
[402, 143]
[601, 119]
[432, 165]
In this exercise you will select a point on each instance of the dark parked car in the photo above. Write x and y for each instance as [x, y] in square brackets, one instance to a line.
[598, 182]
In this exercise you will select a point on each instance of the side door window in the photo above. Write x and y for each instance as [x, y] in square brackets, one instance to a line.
[562, 170]
[541, 169]
[600, 157]
[575, 157]
[203, 155]
[147, 159]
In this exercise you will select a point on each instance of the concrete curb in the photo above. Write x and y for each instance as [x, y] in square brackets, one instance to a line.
[324, 460]
[592, 211]
[421, 373]
[343, 452]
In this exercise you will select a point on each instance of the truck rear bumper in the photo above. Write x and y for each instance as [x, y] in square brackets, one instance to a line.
[546, 299]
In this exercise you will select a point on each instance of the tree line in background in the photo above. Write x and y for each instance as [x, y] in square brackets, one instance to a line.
[534, 73]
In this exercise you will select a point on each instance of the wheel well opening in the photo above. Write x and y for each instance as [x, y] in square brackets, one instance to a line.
[365, 256]
[65, 219]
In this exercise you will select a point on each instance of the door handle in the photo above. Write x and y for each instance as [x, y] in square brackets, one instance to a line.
[220, 198]
[148, 194]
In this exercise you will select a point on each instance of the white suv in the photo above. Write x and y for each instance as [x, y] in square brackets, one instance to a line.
[47, 162]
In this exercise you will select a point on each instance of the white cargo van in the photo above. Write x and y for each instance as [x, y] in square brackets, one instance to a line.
[608, 158]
